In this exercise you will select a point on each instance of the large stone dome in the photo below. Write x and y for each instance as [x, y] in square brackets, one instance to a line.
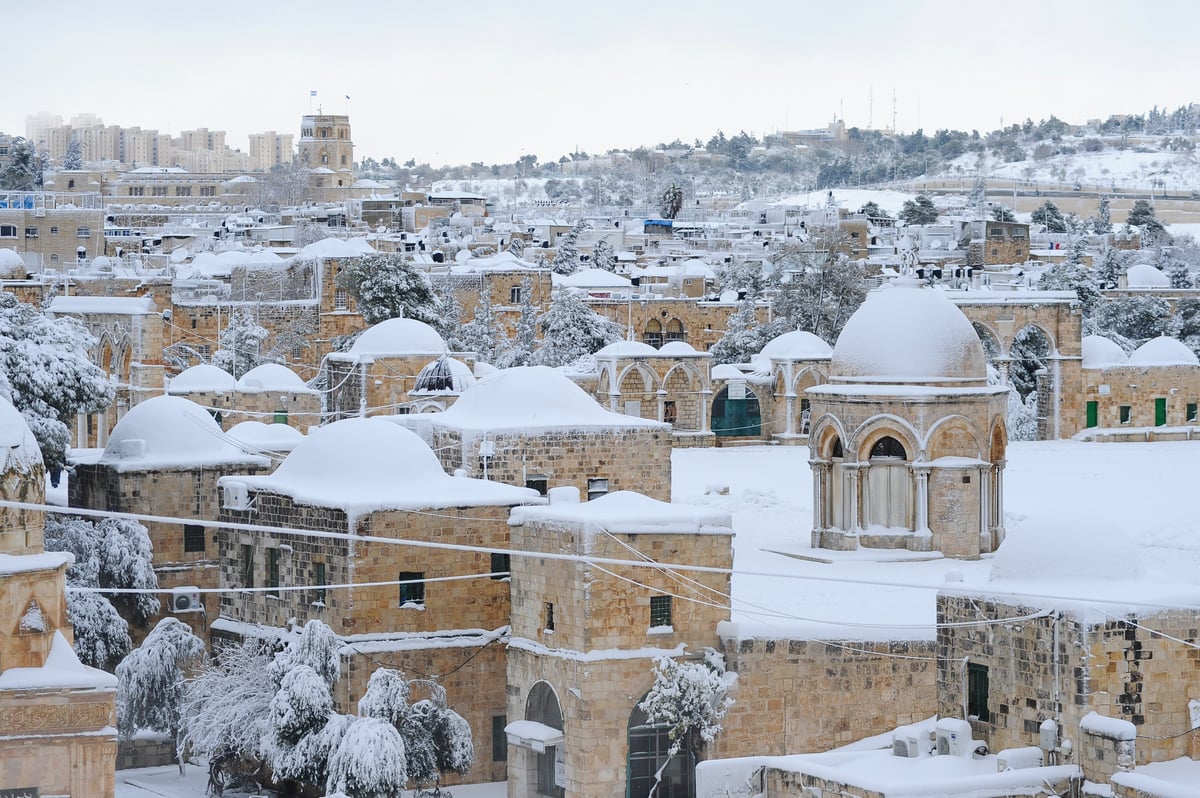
[399, 337]
[906, 334]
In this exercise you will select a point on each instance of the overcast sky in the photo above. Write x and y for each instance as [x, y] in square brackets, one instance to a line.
[463, 81]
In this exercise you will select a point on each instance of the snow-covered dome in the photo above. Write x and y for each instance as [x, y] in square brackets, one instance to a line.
[1143, 275]
[627, 349]
[271, 377]
[797, 345]
[202, 378]
[531, 397]
[727, 371]
[20, 448]
[169, 430]
[444, 375]
[1099, 352]
[677, 349]
[102, 263]
[399, 337]
[11, 264]
[907, 334]
[1163, 351]
[337, 248]
[255, 436]
[591, 278]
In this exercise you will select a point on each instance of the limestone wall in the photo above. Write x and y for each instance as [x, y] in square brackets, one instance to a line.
[60, 742]
[1139, 388]
[27, 648]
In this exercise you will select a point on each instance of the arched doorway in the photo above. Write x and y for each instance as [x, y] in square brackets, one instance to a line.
[648, 746]
[549, 777]
[735, 412]
[889, 485]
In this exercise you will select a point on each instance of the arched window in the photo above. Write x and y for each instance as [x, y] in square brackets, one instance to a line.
[675, 331]
[543, 707]
[648, 745]
[653, 334]
[888, 500]
[888, 446]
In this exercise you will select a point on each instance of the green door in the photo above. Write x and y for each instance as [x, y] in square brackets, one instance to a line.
[1093, 413]
[1160, 411]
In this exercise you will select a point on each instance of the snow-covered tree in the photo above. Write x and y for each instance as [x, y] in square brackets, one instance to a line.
[73, 159]
[518, 350]
[566, 261]
[101, 634]
[919, 210]
[690, 699]
[24, 169]
[387, 287]
[743, 338]
[449, 324]
[302, 705]
[227, 706]
[604, 256]
[745, 277]
[150, 680]
[816, 291]
[570, 329]
[517, 246]
[1142, 216]
[1178, 273]
[1184, 323]
[369, 761]
[1022, 417]
[1102, 221]
[482, 334]
[1029, 351]
[240, 344]
[1131, 319]
[49, 375]
[1003, 213]
[672, 201]
[1110, 268]
[1072, 276]
[1049, 216]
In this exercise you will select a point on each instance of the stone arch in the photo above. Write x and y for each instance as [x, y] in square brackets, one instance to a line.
[736, 417]
[997, 440]
[826, 431]
[953, 436]
[881, 426]
[104, 356]
[603, 380]
[649, 378]
[1041, 328]
[808, 377]
[648, 744]
[993, 346]
[542, 706]
[652, 333]
[681, 397]
[674, 331]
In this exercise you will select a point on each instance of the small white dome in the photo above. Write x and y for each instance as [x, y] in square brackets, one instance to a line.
[1099, 352]
[627, 349]
[256, 436]
[202, 378]
[20, 449]
[446, 375]
[336, 248]
[797, 345]
[399, 337]
[908, 334]
[727, 371]
[677, 348]
[11, 263]
[169, 430]
[1163, 351]
[272, 377]
[1143, 275]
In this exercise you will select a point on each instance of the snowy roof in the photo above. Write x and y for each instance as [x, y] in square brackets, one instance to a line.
[531, 399]
[131, 306]
[627, 349]
[627, 511]
[1143, 275]
[399, 337]
[1099, 352]
[170, 431]
[272, 377]
[206, 264]
[446, 375]
[727, 371]
[500, 262]
[591, 278]
[680, 349]
[904, 333]
[689, 268]
[1163, 351]
[62, 669]
[797, 345]
[158, 170]
[242, 179]
[444, 195]
[366, 182]
[10, 261]
[21, 450]
[202, 377]
[256, 436]
[362, 465]
[336, 248]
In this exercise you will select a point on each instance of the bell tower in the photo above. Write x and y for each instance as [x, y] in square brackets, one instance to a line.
[325, 142]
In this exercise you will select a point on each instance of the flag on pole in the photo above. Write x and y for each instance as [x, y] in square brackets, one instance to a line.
[312, 93]
[347, 96]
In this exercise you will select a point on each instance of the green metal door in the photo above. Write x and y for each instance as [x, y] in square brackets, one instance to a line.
[1093, 414]
[1160, 411]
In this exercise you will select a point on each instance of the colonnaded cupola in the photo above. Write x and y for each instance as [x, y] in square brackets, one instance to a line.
[908, 438]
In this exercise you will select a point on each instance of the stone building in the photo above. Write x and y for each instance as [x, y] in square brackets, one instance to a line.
[422, 608]
[533, 426]
[51, 230]
[164, 458]
[270, 393]
[670, 384]
[1151, 394]
[584, 637]
[908, 439]
[57, 715]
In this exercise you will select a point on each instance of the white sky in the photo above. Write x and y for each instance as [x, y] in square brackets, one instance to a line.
[490, 81]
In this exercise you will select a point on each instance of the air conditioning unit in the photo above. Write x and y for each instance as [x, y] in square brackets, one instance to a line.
[132, 447]
[905, 745]
[1019, 758]
[953, 737]
[237, 496]
[186, 599]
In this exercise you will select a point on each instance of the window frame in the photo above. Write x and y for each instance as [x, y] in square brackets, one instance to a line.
[273, 555]
[548, 616]
[597, 487]
[246, 565]
[320, 592]
[194, 539]
[661, 612]
[501, 564]
[978, 683]
[412, 593]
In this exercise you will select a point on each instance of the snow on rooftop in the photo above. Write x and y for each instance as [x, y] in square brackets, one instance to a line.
[362, 465]
[201, 377]
[797, 345]
[629, 512]
[627, 349]
[1163, 351]
[399, 337]
[904, 333]
[62, 669]
[500, 262]
[43, 561]
[1143, 275]
[446, 375]
[727, 371]
[21, 450]
[591, 278]
[531, 399]
[255, 436]
[272, 377]
[336, 248]
[10, 259]
[679, 349]
[1099, 352]
[170, 432]
[131, 306]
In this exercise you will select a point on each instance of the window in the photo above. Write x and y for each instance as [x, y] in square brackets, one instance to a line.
[499, 738]
[54, 230]
[183, 191]
[660, 611]
[159, 191]
[597, 488]
[977, 691]
[1126, 414]
[71, 183]
[1018, 232]
[281, 417]
[208, 191]
[675, 331]
[888, 446]
[670, 412]
[8, 231]
[193, 537]
[653, 334]
[83, 232]
[514, 295]
[137, 191]
[539, 482]
[247, 569]
[412, 591]
[319, 591]
[1191, 411]
[995, 232]
[340, 300]
[549, 616]
[501, 565]
[273, 572]
[31, 232]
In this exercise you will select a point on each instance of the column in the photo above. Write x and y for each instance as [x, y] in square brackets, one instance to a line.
[851, 498]
[998, 488]
[662, 405]
[820, 471]
[705, 398]
[790, 429]
[922, 475]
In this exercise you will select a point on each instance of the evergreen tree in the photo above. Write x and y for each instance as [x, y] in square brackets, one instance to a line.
[73, 159]
[1142, 216]
[1131, 320]
[816, 292]
[150, 681]
[672, 201]
[744, 337]
[1102, 221]
[1179, 273]
[604, 256]
[1003, 213]
[24, 169]
[570, 330]
[241, 342]
[919, 210]
[481, 334]
[449, 323]
[1072, 276]
[517, 246]
[1049, 216]
[388, 286]
[566, 261]
[1110, 269]
[518, 351]
[873, 210]
[742, 276]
